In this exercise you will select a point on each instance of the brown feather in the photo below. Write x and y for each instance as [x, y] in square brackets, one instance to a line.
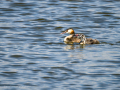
[92, 41]
[72, 39]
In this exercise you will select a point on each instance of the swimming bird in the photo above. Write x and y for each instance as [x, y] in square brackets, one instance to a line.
[78, 38]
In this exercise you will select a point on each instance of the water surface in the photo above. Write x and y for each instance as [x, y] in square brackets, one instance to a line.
[34, 56]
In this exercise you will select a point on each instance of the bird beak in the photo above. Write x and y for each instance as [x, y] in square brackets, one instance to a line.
[63, 32]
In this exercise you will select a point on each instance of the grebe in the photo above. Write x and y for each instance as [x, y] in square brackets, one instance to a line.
[78, 38]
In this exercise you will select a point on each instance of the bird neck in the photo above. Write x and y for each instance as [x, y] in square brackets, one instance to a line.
[73, 34]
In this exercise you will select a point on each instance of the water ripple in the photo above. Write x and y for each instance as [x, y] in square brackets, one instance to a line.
[34, 56]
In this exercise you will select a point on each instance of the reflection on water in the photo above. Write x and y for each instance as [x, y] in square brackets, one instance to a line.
[72, 47]
[34, 56]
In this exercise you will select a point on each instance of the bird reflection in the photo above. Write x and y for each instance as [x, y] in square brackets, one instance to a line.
[72, 46]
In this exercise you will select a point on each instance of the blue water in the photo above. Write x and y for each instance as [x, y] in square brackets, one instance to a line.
[34, 56]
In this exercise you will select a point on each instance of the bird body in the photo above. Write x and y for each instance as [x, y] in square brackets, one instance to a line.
[78, 38]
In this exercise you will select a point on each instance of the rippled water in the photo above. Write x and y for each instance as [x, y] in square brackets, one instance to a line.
[34, 56]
